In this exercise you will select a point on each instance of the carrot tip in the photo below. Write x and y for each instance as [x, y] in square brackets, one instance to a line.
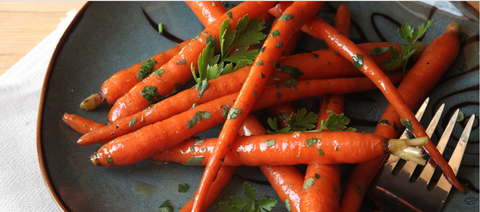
[94, 158]
[92, 102]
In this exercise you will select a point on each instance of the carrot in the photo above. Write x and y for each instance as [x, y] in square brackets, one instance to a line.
[287, 181]
[290, 149]
[177, 72]
[250, 127]
[324, 192]
[81, 124]
[351, 52]
[321, 191]
[283, 29]
[143, 143]
[207, 11]
[223, 177]
[431, 65]
[121, 82]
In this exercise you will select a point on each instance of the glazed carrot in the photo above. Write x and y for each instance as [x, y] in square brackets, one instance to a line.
[207, 11]
[143, 143]
[121, 82]
[321, 191]
[287, 181]
[324, 192]
[351, 52]
[250, 127]
[291, 149]
[177, 71]
[342, 20]
[431, 65]
[282, 30]
[81, 124]
[223, 177]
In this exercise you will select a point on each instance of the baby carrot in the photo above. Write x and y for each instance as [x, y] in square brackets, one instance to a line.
[431, 65]
[322, 191]
[250, 127]
[287, 181]
[177, 71]
[81, 124]
[122, 81]
[292, 149]
[207, 11]
[282, 30]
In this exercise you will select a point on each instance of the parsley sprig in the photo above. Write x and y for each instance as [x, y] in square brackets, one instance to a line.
[237, 204]
[335, 122]
[410, 35]
[212, 64]
[306, 122]
[301, 121]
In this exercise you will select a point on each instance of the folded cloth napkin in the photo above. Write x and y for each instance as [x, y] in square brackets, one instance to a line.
[21, 184]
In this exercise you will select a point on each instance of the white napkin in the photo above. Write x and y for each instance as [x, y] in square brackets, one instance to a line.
[21, 184]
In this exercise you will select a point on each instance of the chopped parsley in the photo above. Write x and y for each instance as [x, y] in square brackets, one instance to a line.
[198, 117]
[146, 68]
[183, 188]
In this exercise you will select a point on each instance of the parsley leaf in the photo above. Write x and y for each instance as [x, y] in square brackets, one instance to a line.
[146, 68]
[308, 183]
[234, 49]
[410, 35]
[237, 204]
[335, 122]
[166, 207]
[301, 121]
[150, 94]
[183, 188]
[198, 117]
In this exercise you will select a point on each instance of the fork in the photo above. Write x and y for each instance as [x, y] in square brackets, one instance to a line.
[397, 188]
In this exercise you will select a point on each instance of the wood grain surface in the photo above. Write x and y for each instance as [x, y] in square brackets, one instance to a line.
[24, 24]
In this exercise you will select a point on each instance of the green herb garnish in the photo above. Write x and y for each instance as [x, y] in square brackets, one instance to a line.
[410, 35]
[211, 65]
[237, 204]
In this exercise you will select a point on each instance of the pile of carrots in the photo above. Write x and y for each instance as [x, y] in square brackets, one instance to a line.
[138, 130]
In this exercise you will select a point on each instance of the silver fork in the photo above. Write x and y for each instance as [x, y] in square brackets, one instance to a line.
[398, 190]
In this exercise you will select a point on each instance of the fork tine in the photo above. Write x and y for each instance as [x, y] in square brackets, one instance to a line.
[409, 166]
[457, 155]
[428, 171]
[392, 159]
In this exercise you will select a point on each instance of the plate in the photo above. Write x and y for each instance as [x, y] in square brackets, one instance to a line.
[106, 37]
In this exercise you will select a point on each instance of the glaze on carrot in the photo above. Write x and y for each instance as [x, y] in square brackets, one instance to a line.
[81, 124]
[207, 11]
[282, 30]
[430, 67]
[177, 71]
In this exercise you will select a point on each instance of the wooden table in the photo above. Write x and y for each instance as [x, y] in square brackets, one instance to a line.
[24, 24]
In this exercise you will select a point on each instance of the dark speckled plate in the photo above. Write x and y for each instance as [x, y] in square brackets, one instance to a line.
[107, 37]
